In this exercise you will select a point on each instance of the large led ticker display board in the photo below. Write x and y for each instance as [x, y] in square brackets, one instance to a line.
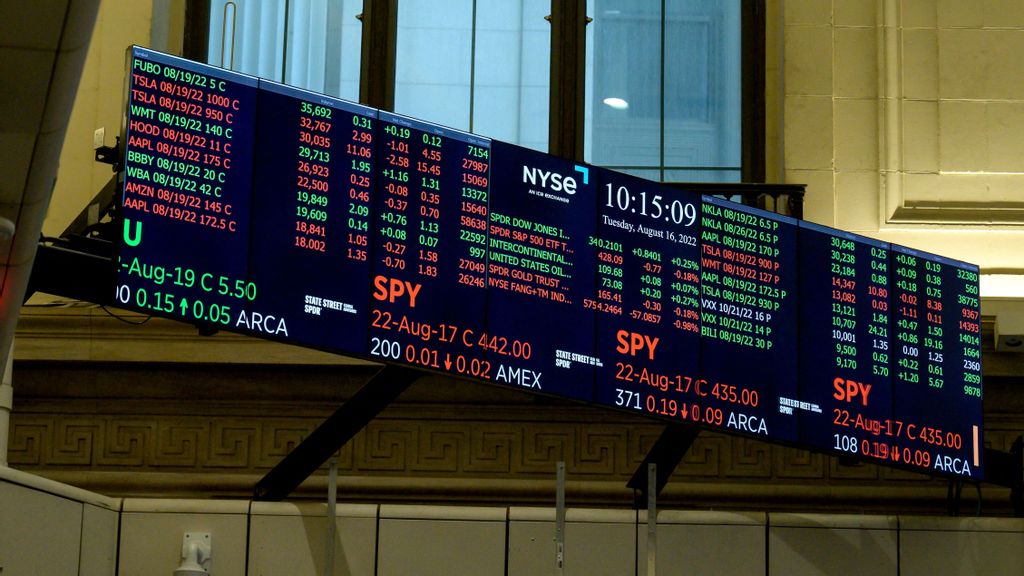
[260, 208]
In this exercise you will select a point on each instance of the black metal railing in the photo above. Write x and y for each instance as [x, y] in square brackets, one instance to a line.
[787, 199]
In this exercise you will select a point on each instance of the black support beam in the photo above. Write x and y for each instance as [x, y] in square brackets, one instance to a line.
[668, 450]
[72, 274]
[334, 432]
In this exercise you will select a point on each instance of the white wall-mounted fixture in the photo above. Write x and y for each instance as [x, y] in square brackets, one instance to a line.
[196, 553]
[6, 230]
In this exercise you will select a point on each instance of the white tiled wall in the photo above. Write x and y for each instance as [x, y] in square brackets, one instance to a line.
[441, 541]
[99, 541]
[699, 542]
[963, 546]
[39, 533]
[597, 542]
[152, 532]
[290, 538]
[46, 528]
[50, 528]
[810, 544]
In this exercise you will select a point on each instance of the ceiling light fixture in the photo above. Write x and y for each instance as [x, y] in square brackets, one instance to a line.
[616, 103]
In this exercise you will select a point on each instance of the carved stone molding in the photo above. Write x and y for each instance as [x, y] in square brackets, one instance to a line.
[398, 446]
[211, 427]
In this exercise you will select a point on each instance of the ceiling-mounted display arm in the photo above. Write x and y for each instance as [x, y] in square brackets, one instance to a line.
[334, 432]
[668, 451]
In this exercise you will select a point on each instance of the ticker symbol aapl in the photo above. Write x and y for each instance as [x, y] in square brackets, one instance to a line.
[391, 289]
[848, 390]
[633, 342]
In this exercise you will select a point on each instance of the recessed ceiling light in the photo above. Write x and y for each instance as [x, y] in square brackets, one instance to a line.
[616, 103]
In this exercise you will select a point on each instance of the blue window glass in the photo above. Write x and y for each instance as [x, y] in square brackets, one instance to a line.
[663, 88]
[477, 65]
[312, 44]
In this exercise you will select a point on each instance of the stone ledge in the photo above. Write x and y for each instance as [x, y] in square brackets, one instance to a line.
[927, 500]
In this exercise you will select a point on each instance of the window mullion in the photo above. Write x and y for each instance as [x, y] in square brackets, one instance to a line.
[195, 43]
[472, 66]
[377, 67]
[661, 92]
[752, 97]
[568, 69]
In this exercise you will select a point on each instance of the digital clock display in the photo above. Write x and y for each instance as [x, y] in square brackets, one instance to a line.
[647, 295]
[259, 208]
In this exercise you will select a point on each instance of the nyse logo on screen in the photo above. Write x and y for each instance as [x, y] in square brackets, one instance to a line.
[553, 185]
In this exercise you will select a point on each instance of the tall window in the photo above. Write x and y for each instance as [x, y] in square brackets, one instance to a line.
[663, 93]
[663, 88]
[477, 65]
[313, 44]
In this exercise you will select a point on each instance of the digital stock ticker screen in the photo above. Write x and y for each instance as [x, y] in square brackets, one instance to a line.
[260, 208]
